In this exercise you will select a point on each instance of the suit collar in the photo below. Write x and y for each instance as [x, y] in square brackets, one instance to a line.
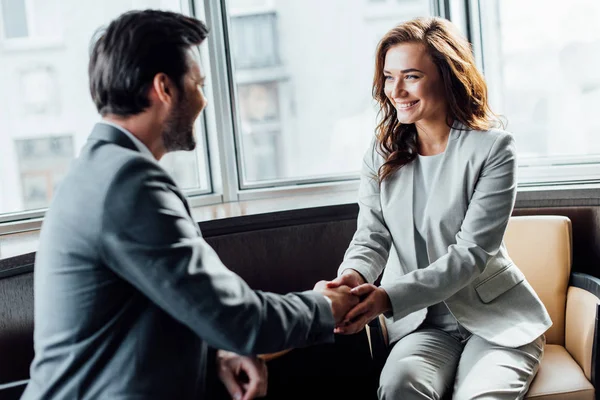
[107, 133]
[457, 129]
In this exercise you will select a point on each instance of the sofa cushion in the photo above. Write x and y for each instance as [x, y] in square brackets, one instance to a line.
[560, 378]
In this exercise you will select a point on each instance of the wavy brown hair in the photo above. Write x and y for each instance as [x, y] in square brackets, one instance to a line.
[464, 86]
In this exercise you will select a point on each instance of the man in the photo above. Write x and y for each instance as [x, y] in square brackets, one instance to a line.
[128, 296]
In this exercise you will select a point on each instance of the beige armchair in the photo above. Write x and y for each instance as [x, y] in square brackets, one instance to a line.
[542, 248]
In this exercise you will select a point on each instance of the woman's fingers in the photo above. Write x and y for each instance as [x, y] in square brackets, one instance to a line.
[363, 290]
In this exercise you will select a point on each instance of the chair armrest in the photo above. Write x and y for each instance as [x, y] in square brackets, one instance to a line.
[272, 356]
[378, 340]
[12, 390]
[582, 325]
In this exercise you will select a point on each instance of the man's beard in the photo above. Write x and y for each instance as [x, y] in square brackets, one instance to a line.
[178, 133]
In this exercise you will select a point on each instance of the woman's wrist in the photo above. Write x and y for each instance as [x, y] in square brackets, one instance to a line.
[358, 275]
[386, 303]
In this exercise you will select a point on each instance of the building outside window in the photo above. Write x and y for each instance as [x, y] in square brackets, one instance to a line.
[42, 164]
[45, 104]
[541, 64]
[303, 85]
[14, 19]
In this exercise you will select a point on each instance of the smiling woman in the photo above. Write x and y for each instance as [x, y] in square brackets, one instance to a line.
[439, 185]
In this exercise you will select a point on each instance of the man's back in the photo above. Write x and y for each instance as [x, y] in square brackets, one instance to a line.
[95, 333]
[128, 294]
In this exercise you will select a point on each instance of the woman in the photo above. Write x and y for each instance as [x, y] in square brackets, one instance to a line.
[439, 184]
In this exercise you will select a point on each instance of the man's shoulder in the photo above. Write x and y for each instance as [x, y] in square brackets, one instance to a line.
[108, 162]
[99, 167]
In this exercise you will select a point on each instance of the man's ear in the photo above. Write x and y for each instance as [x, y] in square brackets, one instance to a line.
[163, 88]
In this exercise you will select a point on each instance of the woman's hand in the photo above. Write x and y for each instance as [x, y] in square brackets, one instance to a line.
[374, 301]
[349, 277]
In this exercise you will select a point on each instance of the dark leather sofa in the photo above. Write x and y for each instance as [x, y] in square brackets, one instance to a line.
[279, 252]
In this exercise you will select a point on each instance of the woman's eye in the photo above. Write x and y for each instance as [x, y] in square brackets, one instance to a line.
[388, 77]
[411, 77]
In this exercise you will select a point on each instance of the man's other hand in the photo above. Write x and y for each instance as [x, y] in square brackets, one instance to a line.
[245, 378]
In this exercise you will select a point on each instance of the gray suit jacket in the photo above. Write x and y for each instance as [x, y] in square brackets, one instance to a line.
[128, 294]
[470, 270]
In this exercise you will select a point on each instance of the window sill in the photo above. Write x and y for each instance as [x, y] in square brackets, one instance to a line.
[214, 219]
[302, 208]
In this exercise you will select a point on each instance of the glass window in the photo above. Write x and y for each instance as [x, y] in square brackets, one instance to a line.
[46, 112]
[31, 23]
[303, 73]
[14, 19]
[541, 64]
[42, 164]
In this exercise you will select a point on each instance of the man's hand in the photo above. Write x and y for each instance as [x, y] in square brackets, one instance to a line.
[349, 277]
[342, 300]
[375, 301]
[244, 377]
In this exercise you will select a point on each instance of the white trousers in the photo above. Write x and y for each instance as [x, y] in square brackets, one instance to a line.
[431, 364]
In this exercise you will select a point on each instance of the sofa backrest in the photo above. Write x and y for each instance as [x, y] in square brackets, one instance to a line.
[281, 259]
[16, 327]
[541, 246]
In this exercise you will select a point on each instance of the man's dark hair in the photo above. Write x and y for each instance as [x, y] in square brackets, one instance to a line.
[132, 50]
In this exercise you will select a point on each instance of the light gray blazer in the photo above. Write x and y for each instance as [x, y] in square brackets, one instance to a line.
[470, 203]
[128, 295]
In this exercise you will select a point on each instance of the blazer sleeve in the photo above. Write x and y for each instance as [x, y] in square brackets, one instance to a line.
[478, 240]
[150, 240]
[369, 248]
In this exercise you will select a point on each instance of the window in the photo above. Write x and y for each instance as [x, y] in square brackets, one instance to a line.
[14, 18]
[46, 112]
[27, 24]
[542, 67]
[42, 164]
[256, 46]
[302, 74]
[289, 87]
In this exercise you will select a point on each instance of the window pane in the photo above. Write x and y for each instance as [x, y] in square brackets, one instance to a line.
[542, 66]
[14, 19]
[303, 72]
[46, 112]
[47, 18]
[42, 163]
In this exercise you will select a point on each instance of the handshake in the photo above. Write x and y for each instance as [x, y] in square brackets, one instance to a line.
[354, 303]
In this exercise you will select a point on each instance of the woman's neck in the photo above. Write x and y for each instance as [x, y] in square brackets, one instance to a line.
[432, 136]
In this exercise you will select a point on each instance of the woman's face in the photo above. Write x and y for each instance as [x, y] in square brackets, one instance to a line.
[413, 84]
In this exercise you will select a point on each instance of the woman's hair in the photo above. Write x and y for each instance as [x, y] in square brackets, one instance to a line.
[464, 87]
